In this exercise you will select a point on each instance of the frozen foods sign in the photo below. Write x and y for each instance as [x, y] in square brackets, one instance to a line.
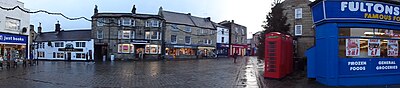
[374, 47]
[352, 47]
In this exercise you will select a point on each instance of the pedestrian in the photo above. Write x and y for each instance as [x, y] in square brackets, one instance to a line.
[235, 55]
[1, 62]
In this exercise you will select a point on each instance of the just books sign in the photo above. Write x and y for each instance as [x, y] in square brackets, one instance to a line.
[356, 10]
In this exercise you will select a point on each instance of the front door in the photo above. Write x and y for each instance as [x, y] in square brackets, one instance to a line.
[69, 56]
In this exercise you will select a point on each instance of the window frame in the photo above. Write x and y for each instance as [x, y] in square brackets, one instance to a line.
[100, 34]
[296, 30]
[189, 39]
[298, 13]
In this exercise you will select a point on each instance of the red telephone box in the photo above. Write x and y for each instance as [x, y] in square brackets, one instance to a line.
[278, 55]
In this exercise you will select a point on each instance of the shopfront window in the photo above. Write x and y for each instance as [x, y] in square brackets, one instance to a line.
[80, 55]
[60, 55]
[126, 48]
[368, 43]
[153, 49]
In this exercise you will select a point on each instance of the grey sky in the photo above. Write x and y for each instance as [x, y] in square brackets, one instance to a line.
[249, 13]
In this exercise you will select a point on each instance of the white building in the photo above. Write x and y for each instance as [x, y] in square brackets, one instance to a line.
[64, 45]
[14, 31]
[222, 40]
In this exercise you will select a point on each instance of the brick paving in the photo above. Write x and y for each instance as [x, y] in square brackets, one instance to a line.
[203, 73]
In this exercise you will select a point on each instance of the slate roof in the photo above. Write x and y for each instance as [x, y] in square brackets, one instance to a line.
[178, 18]
[70, 35]
[187, 19]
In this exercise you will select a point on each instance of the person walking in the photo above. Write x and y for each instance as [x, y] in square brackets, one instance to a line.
[235, 55]
[1, 62]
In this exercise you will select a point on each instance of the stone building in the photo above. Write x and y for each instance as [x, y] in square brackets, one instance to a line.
[301, 26]
[188, 36]
[14, 31]
[127, 35]
[254, 43]
[237, 37]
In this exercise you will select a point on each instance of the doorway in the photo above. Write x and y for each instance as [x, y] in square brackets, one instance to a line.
[69, 56]
[99, 52]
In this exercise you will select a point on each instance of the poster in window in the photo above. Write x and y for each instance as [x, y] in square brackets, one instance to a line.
[352, 47]
[374, 47]
[392, 48]
[125, 48]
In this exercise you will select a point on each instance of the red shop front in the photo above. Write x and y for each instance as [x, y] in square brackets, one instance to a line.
[237, 48]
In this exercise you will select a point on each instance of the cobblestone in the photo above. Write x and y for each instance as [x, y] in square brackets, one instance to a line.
[203, 73]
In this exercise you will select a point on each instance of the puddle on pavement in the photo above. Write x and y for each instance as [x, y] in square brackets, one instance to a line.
[249, 77]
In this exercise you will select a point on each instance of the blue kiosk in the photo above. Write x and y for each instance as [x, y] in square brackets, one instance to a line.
[357, 42]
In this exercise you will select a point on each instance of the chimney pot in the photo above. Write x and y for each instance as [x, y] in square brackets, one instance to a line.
[40, 28]
[58, 26]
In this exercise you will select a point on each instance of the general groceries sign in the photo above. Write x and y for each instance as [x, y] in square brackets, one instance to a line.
[356, 10]
[13, 39]
[369, 65]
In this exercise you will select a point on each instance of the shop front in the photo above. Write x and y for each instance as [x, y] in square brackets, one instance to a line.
[206, 51]
[13, 46]
[138, 50]
[238, 49]
[357, 43]
[180, 51]
[222, 50]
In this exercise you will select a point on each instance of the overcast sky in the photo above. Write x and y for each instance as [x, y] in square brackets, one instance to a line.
[249, 13]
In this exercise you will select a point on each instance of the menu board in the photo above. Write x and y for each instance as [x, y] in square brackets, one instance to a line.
[374, 47]
[352, 47]
[392, 48]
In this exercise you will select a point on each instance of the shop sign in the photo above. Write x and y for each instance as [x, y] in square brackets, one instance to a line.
[369, 66]
[139, 42]
[70, 50]
[10, 38]
[356, 10]
[352, 47]
[374, 47]
[392, 48]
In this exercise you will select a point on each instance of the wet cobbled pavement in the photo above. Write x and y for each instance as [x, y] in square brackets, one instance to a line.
[203, 73]
[298, 79]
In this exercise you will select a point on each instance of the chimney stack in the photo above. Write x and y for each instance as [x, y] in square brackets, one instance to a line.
[95, 10]
[189, 14]
[134, 9]
[233, 21]
[40, 28]
[58, 28]
[209, 18]
[31, 27]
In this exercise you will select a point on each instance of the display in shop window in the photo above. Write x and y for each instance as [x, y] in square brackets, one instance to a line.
[352, 47]
[374, 47]
[392, 48]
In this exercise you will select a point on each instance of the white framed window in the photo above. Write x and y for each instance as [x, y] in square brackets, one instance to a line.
[126, 34]
[188, 39]
[12, 24]
[59, 44]
[298, 13]
[60, 55]
[188, 29]
[152, 23]
[243, 32]
[153, 49]
[100, 34]
[208, 41]
[126, 48]
[80, 44]
[126, 22]
[298, 30]
[174, 27]
[40, 54]
[153, 35]
[222, 39]
[236, 30]
[173, 39]
[223, 31]
[101, 21]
